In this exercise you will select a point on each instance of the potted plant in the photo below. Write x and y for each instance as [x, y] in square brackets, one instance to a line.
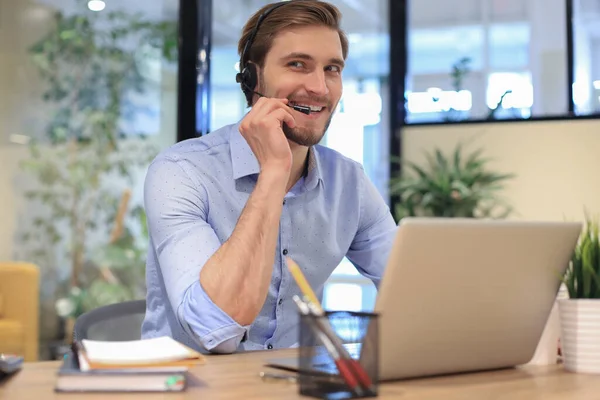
[580, 312]
[461, 185]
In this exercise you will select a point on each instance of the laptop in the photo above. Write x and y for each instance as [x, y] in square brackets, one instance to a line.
[466, 295]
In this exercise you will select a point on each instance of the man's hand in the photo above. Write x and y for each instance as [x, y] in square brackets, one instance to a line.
[262, 129]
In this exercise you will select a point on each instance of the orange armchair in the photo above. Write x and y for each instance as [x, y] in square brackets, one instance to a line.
[19, 309]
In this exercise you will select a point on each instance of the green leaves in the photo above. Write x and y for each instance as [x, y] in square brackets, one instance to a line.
[90, 61]
[459, 185]
[90, 64]
[582, 277]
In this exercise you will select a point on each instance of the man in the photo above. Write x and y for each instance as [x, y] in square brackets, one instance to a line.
[226, 210]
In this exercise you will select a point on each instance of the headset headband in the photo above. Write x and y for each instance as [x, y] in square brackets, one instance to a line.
[246, 52]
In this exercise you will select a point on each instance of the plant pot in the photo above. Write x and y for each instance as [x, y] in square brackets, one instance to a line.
[580, 334]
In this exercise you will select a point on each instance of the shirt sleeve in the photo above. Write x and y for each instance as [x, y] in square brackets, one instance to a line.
[176, 208]
[373, 241]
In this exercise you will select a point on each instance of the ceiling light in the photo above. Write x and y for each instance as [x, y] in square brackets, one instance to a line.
[96, 5]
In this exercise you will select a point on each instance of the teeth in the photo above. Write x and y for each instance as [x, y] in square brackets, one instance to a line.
[312, 108]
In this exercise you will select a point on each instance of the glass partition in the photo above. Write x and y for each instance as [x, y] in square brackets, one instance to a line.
[88, 93]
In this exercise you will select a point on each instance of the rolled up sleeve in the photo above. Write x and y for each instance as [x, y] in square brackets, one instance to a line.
[214, 328]
[176, 208]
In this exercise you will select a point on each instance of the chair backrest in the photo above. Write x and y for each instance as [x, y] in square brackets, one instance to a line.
[114, 322]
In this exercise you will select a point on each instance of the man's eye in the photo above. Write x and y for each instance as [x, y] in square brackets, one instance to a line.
[296, 64]
[334, 68]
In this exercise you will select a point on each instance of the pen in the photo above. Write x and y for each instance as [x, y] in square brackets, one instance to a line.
[354, 365]
[273, 376]
[312, 306]
[341, 363]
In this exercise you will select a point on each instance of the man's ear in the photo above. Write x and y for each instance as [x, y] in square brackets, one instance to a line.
[256, 76]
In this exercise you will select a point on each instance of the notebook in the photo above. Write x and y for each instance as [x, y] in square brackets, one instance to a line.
[160, 379]
[145, 353]
[147, 365]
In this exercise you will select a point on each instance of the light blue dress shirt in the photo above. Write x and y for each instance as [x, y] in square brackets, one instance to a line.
[194, 194]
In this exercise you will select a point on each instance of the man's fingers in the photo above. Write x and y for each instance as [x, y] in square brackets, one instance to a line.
[284, 115]
[261, 115]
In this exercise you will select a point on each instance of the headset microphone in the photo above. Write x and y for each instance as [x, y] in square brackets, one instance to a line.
[302, 109]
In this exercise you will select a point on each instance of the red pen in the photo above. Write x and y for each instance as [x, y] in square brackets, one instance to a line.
[343, 365]
[357, 369]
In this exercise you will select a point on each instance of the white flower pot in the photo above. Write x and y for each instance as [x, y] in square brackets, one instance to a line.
[580, 334]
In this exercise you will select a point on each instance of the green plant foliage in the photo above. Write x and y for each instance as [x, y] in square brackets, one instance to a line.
[582, 277]
[457, 186]
[90, 61]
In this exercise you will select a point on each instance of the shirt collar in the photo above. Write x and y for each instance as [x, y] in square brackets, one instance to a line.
[314, 175]
[244, 162]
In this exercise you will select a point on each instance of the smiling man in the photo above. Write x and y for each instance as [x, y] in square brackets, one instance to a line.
[226, 210]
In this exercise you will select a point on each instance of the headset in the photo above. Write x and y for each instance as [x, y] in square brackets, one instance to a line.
[248, 77]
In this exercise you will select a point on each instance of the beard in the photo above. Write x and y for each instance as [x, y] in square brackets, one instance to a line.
[303, 136]
[306, 136]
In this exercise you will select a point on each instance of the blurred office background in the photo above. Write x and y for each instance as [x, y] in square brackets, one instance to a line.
[521, 79]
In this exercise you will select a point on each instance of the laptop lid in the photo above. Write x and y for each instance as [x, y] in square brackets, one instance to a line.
[464, 295]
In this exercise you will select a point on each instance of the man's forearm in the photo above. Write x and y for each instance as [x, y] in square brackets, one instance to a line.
[238, 275]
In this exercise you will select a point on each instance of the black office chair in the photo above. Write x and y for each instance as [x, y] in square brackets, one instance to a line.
[114, 322]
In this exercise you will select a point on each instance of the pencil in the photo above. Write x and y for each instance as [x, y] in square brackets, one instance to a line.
[303, 283]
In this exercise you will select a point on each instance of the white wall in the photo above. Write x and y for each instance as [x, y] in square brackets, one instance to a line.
[557, 163]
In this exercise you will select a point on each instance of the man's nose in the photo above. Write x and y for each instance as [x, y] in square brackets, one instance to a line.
[316, 83]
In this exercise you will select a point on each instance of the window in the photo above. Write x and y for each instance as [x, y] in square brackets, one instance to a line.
[486, 60]
[586, 63]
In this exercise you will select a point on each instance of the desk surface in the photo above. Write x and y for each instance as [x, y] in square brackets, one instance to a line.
[237, 377]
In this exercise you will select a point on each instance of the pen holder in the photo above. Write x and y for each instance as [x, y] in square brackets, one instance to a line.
[323, 371]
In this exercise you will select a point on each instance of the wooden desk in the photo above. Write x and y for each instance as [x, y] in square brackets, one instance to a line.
[236, 377]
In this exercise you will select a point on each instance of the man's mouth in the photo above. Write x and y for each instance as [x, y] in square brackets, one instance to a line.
[313, 108]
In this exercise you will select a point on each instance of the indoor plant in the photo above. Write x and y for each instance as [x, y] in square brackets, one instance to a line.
[461, 185]
[94, 67]
[580, 312]
[119, 267]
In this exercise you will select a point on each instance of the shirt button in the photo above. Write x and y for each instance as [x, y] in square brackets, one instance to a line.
[285, 252]
[280, 301]
[270, 346]
[283, 201]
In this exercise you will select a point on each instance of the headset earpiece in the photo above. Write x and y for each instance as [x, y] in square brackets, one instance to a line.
[248, 80]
